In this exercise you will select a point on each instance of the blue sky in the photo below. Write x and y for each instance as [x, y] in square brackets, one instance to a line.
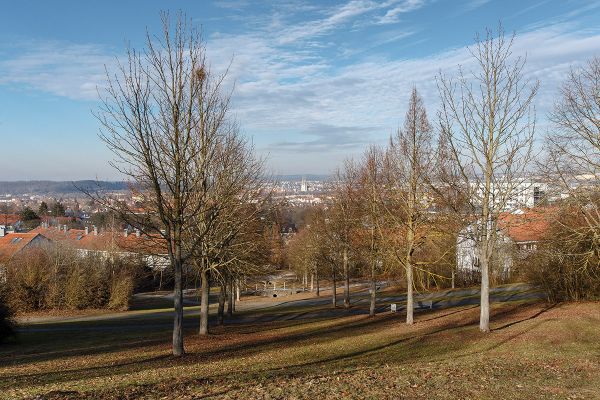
[315, 81]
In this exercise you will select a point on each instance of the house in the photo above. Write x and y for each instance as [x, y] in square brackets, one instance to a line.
[15, 243]
[108, 244]
[517, 234]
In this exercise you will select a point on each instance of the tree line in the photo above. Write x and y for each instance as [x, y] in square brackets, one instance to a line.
[399, 210]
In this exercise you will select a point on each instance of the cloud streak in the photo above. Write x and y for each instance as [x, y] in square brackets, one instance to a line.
[406, 6]
[367, 99]
[63, 69]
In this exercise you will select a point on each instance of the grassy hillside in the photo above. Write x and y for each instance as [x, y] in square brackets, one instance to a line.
[535, 351]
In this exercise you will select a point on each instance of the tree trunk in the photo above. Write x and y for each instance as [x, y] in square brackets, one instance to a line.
[221, 309]
[333, 290]
[178, 305]
[230, 299]
[484, 257]
[346, 280]
[312, 282]
[373, 284]
[304, 281]
[409, 274]
[233, 294]
[409, 295]
[317, 281]
[484, 318]
[373, 290]
[204, 299]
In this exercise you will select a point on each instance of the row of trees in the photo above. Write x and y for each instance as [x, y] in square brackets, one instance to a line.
[380, 220]
[568, 262]
[401, 208]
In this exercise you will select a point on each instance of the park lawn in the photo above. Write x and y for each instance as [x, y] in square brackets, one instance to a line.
[534, 351]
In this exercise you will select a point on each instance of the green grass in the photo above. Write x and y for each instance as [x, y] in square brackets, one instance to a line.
[534, 351]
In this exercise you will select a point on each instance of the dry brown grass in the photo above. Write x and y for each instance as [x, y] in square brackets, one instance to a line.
[534, 351]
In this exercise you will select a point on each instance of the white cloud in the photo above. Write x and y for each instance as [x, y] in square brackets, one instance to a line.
[64, 69]
[473, 4]
[336, 111]
[393, 15]
[338, 16]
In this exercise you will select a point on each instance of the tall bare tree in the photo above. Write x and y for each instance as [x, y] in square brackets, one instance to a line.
[368, 198]
[408, 162]
[161, 115]
[343, 220]
[489, 122]
[235, 198]
[573, 163]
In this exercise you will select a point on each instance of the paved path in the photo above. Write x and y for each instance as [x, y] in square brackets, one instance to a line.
[258, 310]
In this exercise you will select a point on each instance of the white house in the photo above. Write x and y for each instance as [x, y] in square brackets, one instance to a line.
[517, 233]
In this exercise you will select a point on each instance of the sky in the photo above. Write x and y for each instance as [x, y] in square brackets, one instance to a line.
[315, 82]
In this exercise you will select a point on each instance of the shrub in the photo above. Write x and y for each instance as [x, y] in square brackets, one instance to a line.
[43, 279]
[566, 264]
[120, 293]
[27, 280]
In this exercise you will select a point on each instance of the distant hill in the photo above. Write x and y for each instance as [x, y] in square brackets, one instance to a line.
[57, 187]
[71, 187]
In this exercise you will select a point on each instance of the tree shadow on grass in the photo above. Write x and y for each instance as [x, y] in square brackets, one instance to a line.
[408, 348]
[413, 344]
[448, 314]
[537, 314]
[47, 346]
[244, 349]
[56, 347]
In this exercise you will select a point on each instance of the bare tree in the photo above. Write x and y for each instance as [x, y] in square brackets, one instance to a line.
[489, 123]
[330, 249]
[234, 197]
[343, 221]
[161, 115]
[301, 254]
[368, 198]
[573, 162]
[408, 162]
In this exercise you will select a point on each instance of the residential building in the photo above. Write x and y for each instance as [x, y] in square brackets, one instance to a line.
[518, 233]
[107, 244]
[15, 243]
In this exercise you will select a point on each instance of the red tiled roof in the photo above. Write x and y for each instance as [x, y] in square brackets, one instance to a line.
[530, 226]
[105, 240]
[13, 243]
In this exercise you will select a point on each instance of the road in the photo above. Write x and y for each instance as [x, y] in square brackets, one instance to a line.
[257, 310]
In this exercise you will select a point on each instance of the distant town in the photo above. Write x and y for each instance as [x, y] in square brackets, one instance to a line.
[295, 190]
